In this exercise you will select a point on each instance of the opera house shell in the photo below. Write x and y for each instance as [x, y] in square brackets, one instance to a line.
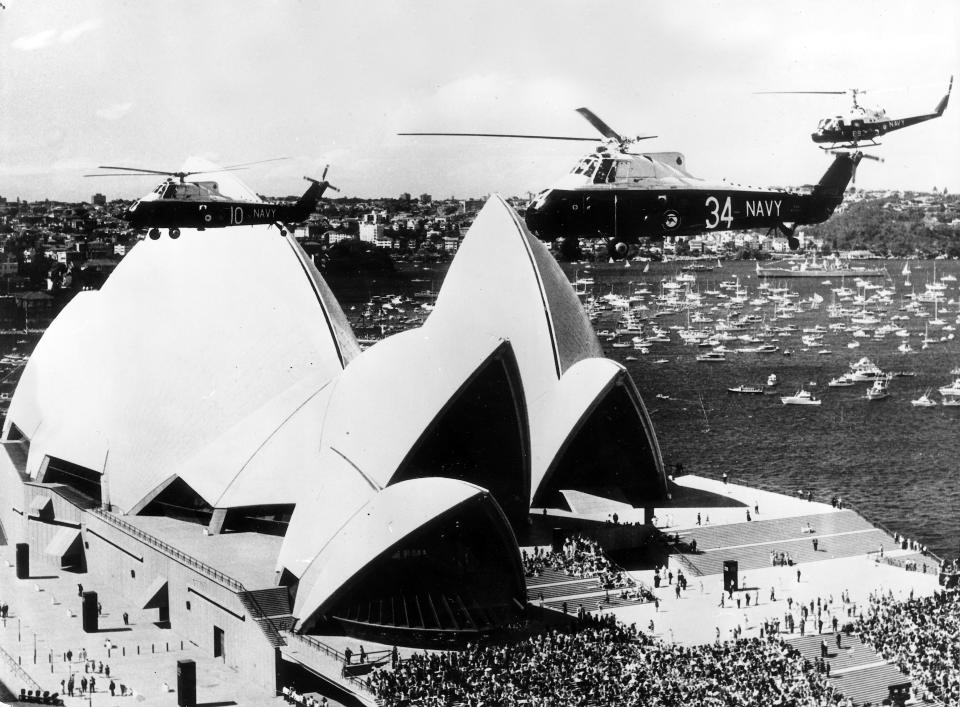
[215, 380]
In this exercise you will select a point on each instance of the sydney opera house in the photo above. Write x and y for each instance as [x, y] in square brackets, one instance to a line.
[205, 435]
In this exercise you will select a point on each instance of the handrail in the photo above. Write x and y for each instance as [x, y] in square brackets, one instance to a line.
[690, 567]
[267, 626]
[922, 568]
[168, 549]
[18, 671]
[332, 652]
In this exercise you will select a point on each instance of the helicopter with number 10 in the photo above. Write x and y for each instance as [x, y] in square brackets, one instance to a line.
[176, 203]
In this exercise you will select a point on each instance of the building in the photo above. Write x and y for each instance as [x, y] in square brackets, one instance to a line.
[319, 475]
[98, 200]
[373, 226]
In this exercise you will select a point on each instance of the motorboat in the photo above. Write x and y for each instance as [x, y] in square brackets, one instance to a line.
[712, 357]
[801, 397]
[952, 389]
[878, 391]
[951, 401]
[747, 389]
[840, 382]
[772, 380]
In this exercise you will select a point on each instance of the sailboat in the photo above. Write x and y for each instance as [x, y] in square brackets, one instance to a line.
[906, 274]
[647, 268]
[936, 321]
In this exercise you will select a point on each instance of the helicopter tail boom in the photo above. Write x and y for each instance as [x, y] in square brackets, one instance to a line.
[835, 180]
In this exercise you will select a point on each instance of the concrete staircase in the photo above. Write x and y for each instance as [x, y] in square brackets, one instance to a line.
[838, 534]
[271, 609]
[857, 671]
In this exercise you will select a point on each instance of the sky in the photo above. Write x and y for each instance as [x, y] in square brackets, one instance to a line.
[89, 82]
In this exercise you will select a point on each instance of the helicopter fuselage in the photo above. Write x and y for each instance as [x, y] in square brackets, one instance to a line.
[623, 211]
[200, 205]
[866, 124]
[207, 214]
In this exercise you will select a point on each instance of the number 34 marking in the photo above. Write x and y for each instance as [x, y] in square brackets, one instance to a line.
[716, 215]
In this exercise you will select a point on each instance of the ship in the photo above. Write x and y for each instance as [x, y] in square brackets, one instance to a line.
[821, 268]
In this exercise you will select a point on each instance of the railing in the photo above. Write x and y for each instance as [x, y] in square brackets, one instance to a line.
[267, 626]
[157, 543]
[921, 567]
[687, 564]
[18, 671]
[332, 652]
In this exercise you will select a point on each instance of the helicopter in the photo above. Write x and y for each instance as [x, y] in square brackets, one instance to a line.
[862, 123]
[622, 196]
[176, 203]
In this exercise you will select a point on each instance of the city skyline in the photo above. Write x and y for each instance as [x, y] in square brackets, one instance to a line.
[150, 85]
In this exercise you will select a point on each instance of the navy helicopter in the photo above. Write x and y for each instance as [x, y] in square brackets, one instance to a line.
[622, 196]
[862, 123]
[177, 203]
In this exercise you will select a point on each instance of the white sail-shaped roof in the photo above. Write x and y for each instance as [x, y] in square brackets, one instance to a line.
[379, 409]
[504, 283]
[217, 338]
[373, 529]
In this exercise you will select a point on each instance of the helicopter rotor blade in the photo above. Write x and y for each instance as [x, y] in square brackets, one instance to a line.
[140, 169]
[122, 174]
[822, 93]
[208, 171]
[324, 175]
[601, 127]
[527, 137]
[250, 164]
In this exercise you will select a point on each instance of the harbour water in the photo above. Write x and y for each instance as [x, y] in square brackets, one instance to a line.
[895, 463]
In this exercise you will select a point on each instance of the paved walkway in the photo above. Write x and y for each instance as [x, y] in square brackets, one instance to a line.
[45, 621]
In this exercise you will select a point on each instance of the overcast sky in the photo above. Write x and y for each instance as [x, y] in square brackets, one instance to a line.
[147, 84]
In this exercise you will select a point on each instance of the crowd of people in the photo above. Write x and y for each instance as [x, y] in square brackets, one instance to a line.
[580, 557]
[601, 662]
[922, 636]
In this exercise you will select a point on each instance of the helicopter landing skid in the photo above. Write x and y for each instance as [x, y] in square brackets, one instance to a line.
[850, 146]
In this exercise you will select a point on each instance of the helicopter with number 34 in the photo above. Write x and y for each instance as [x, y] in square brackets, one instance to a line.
[621, 195]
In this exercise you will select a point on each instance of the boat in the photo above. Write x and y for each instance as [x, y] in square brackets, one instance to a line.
[772, 380]
[840, 382]
[712, 356]
[801, 397]
[924, 401]
[951, 401]
[878, 391]
[814, 268]
[952, 389]
[747, 389]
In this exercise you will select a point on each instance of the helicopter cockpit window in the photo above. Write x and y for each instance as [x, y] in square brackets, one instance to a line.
[605, 173]
[171, 191]
[585, 166]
